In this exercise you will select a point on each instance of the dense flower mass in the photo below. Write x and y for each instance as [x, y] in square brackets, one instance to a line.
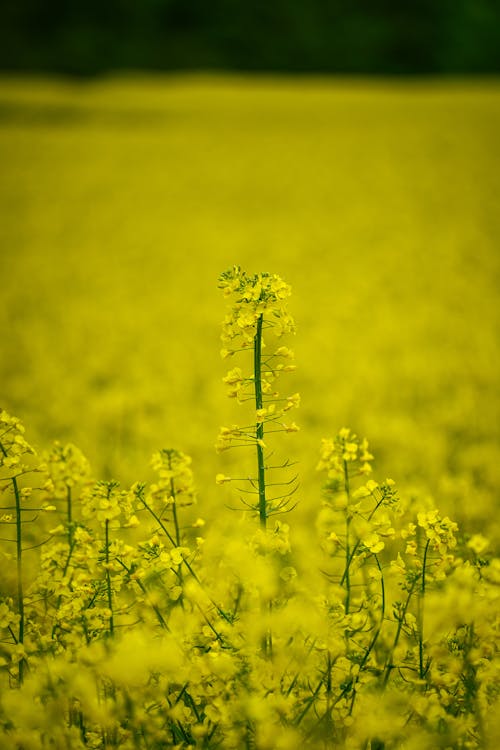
[252, 297]
[128, 622]
[13, 445]
[65, 466]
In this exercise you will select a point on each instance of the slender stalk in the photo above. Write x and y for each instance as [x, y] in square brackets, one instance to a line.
[259, 430]
[71, 545]
[267, 644]
[390, 666]
[69, 512]
[108, 579]
[374, 638]
[174, 505]
[175, 517]
[19, 553]
[309, 702]
[65, 570]
[19, 567]
[357, 544]
[346, 577]
[329, 690]
[472, 688]
[159, 522]
[186, 562]
[421, 668]
[144, 590]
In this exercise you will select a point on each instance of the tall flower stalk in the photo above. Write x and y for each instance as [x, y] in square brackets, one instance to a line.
[256, 320]
[13, 452]
[259, 429]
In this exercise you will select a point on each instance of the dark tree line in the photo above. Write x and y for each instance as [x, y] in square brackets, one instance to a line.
[85, 37]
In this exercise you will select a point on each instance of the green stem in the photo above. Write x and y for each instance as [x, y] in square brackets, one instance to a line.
[186, 563]
[328, 688]
[358, 543]
[69, 511]
[159, 522]
[309, 702]
[173, 494]
[259, 435]
[108, 579]
[472, 688]
[64, 571]
[268, 638]
[346, 577]
[422, 669]
[374, 638]
[144, 590]
[174, 505]
[390, 665]
[19, 556]
[259, 431]
[19, 553]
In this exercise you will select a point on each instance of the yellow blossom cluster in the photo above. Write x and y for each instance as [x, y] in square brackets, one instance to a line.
[344, 449]
[106, 502]
[13, 445]
[439, 531]
[252, 297]
[65, 466]
[175, 479]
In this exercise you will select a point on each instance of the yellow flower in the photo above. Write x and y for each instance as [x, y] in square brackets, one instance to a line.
[233, 376]
[478, 543]
[373, 542]
[411, 548]
[284, 351]
[293, 401]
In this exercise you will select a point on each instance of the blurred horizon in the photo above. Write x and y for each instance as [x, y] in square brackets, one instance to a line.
[377, 37]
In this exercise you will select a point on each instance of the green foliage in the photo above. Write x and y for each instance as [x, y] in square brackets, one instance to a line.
[368, 36]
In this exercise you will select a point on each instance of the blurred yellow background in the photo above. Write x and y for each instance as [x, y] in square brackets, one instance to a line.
[122, 200]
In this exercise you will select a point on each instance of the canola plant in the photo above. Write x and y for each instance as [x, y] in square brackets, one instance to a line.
[124, 625]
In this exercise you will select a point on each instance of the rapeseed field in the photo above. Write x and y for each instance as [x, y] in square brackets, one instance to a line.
[263, 581]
